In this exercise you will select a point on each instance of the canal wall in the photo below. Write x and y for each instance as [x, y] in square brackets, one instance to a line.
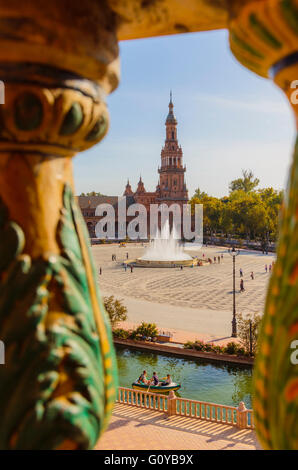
[184, 353]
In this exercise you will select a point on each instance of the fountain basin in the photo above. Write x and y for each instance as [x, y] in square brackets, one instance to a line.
[165, 251]
[146, 263]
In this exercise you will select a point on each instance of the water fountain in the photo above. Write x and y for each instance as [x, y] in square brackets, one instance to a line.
[165, 251]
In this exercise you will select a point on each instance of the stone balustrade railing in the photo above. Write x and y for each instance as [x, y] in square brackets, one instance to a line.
[172, 405]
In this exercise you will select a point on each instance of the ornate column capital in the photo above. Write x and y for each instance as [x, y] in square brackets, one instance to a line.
[263, 33]
[264, 38]
[50, 111]
[58, 60]
[76, 36]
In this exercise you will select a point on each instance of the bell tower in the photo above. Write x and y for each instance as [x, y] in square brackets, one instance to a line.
[171, 188]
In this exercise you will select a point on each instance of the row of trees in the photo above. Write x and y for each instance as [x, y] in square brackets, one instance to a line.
[92, 193]
[248, 212]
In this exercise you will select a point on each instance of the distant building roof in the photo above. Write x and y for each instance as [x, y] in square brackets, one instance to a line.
[91, 202]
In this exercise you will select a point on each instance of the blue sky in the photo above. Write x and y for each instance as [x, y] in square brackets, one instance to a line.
[228, 118]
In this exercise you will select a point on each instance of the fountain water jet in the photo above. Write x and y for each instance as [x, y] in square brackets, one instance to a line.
[165, 251]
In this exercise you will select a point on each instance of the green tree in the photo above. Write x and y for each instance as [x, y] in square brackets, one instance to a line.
[247, 183]
[212, 211]
[200, 194]
[115, 309]
[246, 212]
[92, 193]
[243, 326]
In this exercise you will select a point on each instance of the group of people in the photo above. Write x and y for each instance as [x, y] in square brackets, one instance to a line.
[154, 379]
[252, 276]
[114, 258]
[269, 268]
[130, 266]
[215, 259]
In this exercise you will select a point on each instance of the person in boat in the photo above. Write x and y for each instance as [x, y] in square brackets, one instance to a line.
[143, 378]
[168, 381]
[154, 380]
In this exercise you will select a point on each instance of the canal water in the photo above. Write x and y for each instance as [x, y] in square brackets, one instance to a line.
[223, 384]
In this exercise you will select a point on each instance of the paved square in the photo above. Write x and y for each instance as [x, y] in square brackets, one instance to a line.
[194, 300]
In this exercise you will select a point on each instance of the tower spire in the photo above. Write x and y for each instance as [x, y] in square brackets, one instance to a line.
[128, 190]
[171, 118]
[171, 186]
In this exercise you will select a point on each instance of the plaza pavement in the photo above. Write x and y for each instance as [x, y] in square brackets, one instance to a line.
[133, 428]
[193, 303]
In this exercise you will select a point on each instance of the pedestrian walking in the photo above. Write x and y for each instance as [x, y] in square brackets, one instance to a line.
[218, 258]
[125, 267]
[270, 267]
[126, 255]
[252, 276]
[266, 268]
[221, 256]
[100, 271]
[241, 272]
[131, 268]
[214, 259]
[242, 286]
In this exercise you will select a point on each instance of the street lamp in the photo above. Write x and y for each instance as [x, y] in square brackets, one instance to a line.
[234, 253]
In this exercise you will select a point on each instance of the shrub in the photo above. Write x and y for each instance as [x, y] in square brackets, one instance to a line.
[188, 345]
[241, 351]
[208, 347]
[147, 329]
[199, 345]
[231, 348]
[121, 333]
[218, 349]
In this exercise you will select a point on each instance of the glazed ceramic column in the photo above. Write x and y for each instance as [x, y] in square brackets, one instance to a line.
[58, 60]
[264, 37]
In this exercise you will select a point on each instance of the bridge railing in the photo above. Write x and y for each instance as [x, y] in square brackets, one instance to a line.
[240, 416]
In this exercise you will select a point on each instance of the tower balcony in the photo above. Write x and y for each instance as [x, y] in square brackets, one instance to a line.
[172, 169]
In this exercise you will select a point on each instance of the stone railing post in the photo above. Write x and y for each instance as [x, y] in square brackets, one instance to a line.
[172, 404]
[242, 414]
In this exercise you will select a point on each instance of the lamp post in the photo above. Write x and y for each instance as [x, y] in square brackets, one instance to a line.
[234, 253]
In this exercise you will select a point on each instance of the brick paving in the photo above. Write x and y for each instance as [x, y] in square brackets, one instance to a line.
[133, 428]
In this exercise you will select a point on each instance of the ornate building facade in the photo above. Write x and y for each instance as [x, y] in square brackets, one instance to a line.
[171, 187]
